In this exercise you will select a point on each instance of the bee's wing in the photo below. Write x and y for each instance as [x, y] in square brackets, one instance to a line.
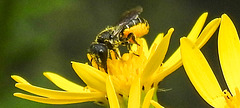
[117, 30]
[130, 15]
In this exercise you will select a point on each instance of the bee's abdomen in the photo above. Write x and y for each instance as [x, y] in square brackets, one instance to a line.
[139, 27]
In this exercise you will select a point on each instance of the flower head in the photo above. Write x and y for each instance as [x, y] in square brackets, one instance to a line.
[201, 75]
[131, 81]
[121, 86]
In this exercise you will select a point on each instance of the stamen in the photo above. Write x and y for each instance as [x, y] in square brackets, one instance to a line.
[120, 94]
[106, 97]
[143, 87]
[227, 95]
[152, 85]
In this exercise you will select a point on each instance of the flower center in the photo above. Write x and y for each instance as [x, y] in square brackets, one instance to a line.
[128, 67]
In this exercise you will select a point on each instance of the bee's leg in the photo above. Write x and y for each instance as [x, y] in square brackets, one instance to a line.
[97, 62]
[129, 49]
[90, 62]
[136, 54]
[128, 44]
[102, 64]
[93, 59]
[133, 38]
[117, 53]
[105, 68]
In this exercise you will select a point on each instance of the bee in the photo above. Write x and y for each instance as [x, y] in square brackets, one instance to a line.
[124, 33]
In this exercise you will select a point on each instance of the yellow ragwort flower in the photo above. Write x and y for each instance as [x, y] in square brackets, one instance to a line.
[131, 81]
[201, 75]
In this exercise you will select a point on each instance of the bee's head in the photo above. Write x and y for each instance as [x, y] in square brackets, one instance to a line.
[99, 53]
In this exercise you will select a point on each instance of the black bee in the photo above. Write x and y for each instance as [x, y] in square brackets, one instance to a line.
[124, 33]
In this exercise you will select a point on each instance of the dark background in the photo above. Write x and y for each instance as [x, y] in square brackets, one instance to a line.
[45, 35]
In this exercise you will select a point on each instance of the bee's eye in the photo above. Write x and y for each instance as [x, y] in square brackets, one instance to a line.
[100, 50]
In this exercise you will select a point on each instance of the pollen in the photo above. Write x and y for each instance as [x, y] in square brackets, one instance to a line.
[138, 30]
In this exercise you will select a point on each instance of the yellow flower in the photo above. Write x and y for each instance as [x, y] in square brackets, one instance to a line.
[201, 75]
[134, 96]
[131, 81]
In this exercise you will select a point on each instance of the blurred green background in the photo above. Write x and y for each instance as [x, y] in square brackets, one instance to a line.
[45, 35]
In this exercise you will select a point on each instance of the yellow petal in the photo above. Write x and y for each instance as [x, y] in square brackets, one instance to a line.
[51, 101]
[207, 32]
[64, 83]
[145, 46]
[156, 59]
[174, 62]
[58, 94]
[229, 53]
[155, 43]
[91, 76]
[19, 79]
[197, 28]
[135, 94]
[156, 104]
[148, 97]
[112, 97]
[199, 72]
